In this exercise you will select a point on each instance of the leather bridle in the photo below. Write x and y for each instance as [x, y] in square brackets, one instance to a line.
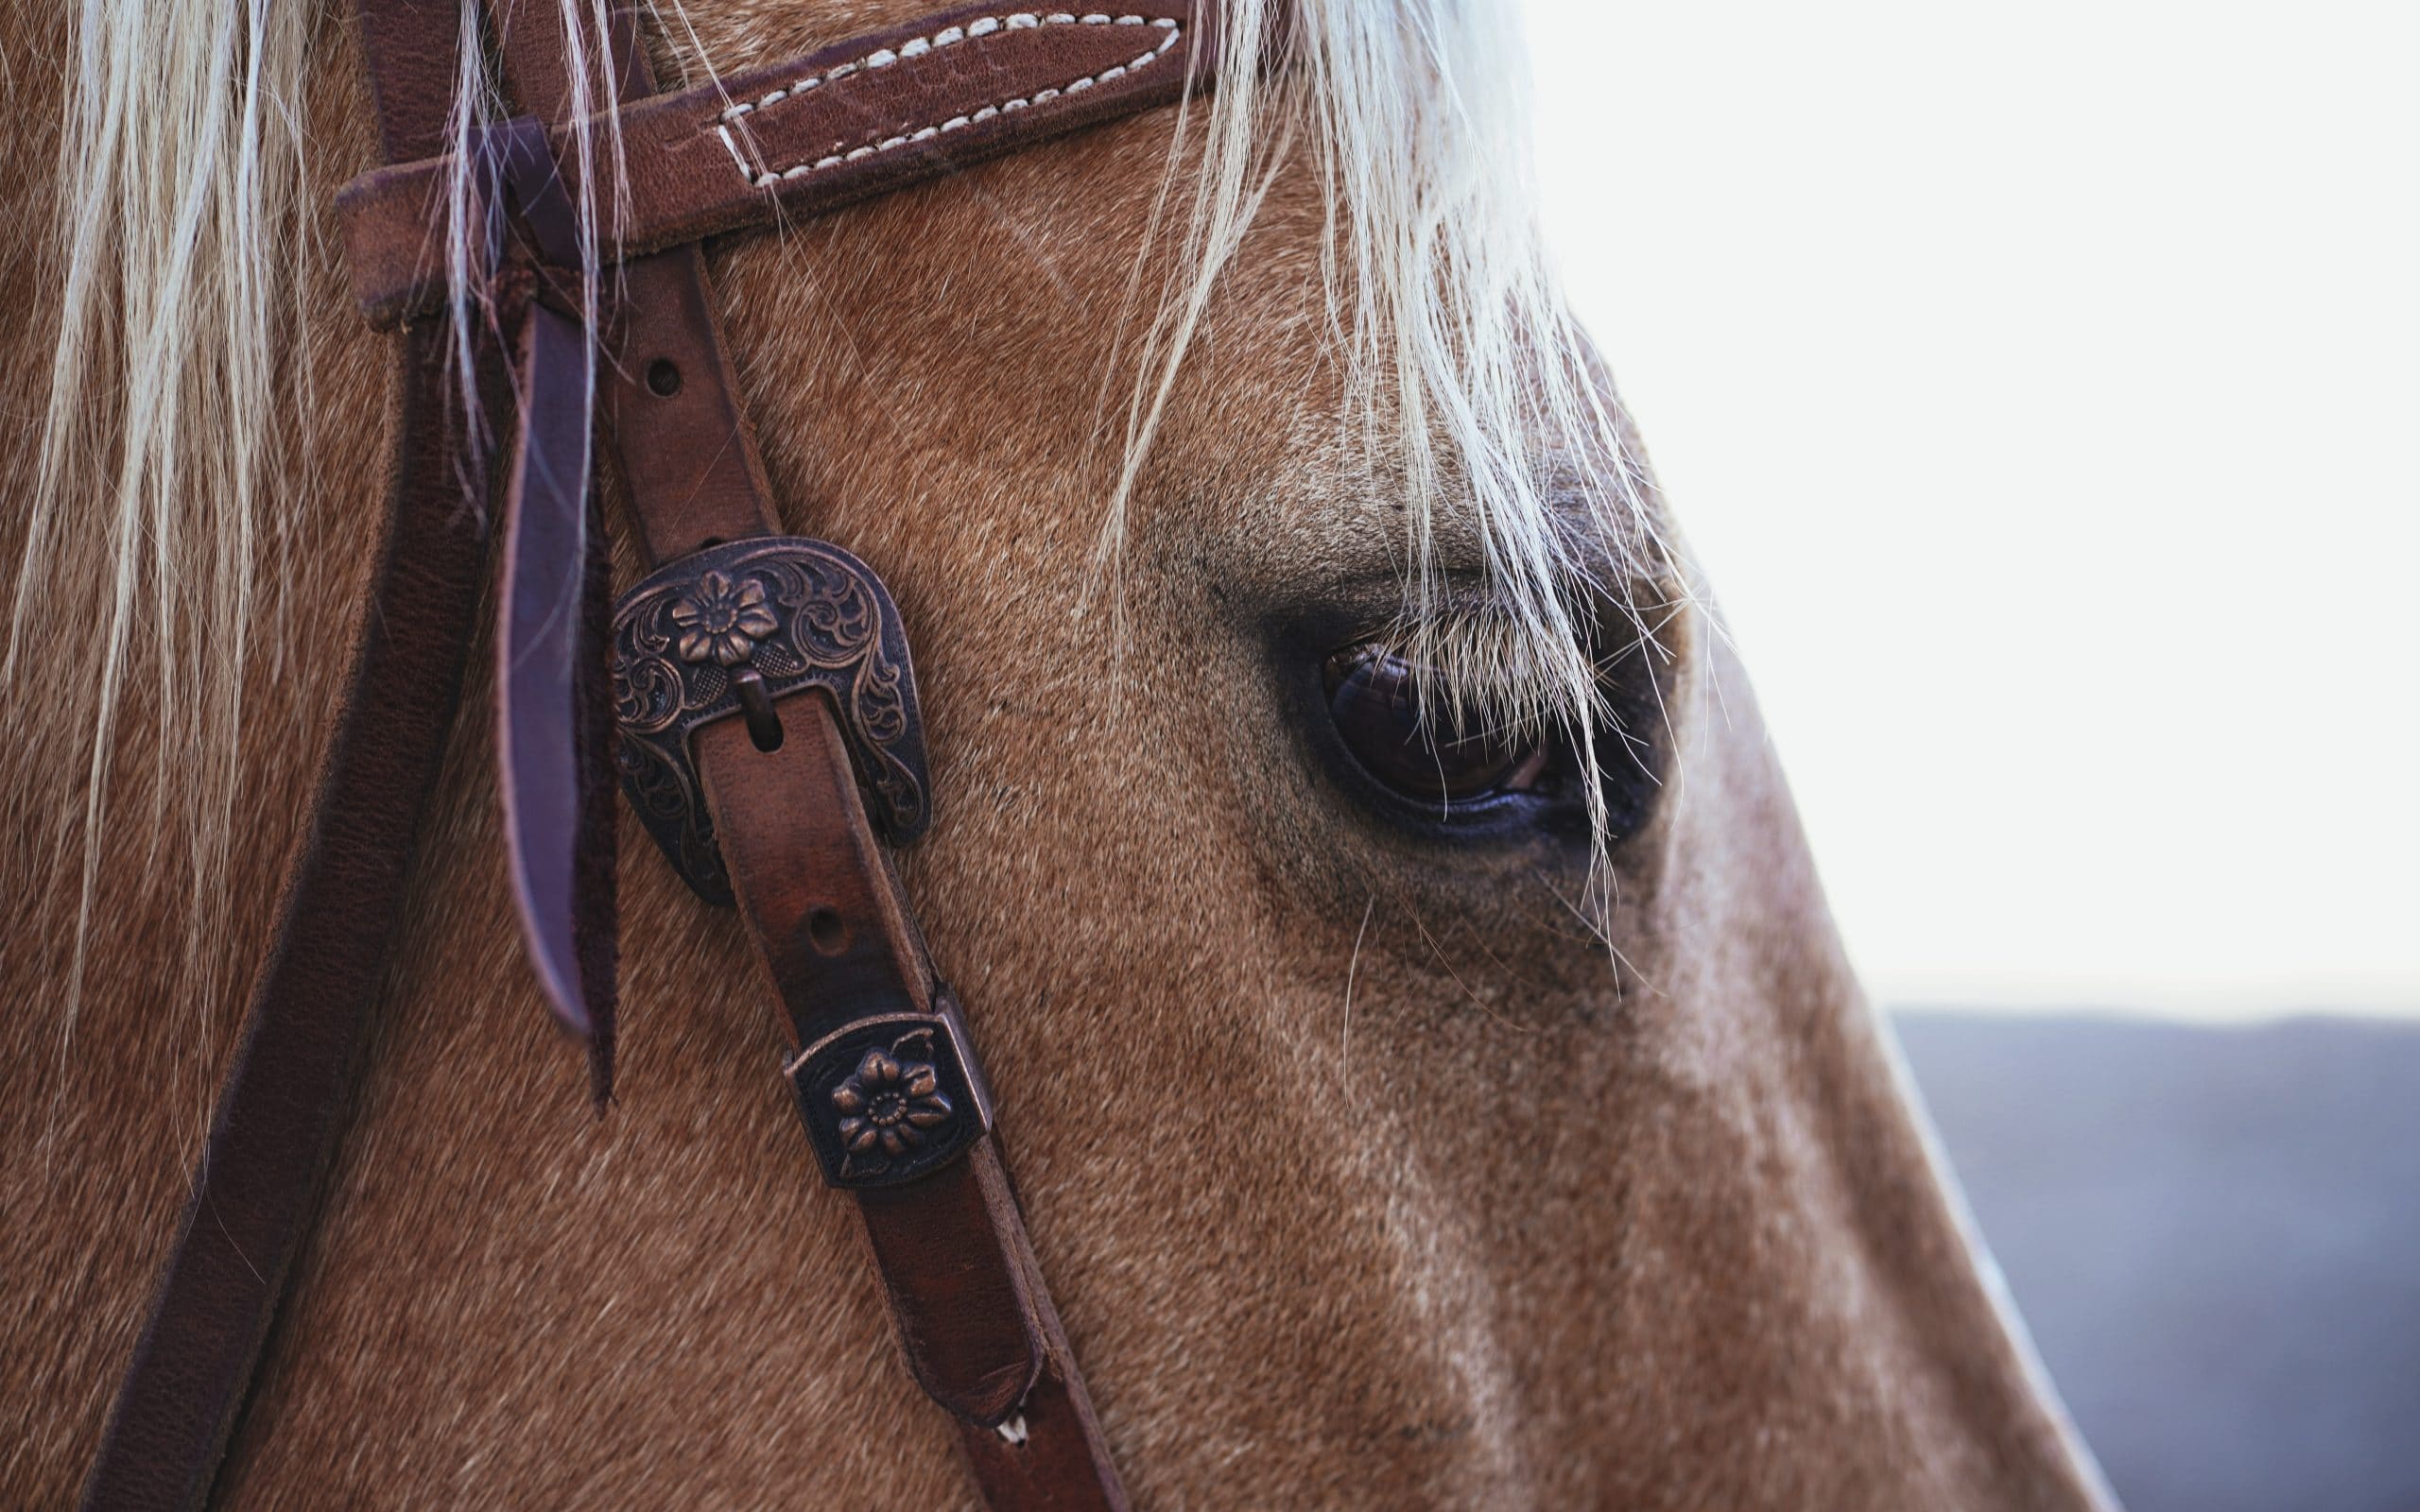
[759, 684]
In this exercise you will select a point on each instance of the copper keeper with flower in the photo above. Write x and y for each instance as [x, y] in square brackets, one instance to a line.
[889, 1097]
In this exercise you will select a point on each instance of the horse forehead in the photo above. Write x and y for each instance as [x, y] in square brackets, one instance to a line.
[953, 376]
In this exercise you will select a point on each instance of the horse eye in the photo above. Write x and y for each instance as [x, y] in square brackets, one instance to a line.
[1373, 698]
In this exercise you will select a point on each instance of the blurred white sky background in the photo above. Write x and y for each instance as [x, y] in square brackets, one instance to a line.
[2041, 385]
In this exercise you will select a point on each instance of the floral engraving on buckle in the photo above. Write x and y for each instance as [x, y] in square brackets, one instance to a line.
[722, 619]
[752, 620]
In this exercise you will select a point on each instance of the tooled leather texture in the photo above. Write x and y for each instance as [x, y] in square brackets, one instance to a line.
[804, 137]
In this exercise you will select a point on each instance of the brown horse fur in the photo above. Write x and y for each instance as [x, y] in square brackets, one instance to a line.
[1364, 1176]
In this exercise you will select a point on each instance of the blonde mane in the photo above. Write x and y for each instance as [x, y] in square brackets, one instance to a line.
[166, 486]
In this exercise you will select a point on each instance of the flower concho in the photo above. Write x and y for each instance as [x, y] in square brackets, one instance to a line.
[888, 1107]
[723, 620]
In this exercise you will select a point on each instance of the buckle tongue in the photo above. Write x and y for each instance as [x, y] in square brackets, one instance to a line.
[729, 631]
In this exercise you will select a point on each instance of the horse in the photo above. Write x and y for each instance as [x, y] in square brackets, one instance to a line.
[1433, 1076]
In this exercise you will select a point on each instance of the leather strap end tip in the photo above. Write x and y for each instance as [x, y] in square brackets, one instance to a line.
[600, 1073]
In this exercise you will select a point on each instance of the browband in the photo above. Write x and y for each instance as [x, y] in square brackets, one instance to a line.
[790, 140]
[746, 756]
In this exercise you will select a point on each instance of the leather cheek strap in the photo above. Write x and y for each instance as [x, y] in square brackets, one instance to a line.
[672, 383]
[812, 880]
[815, 887]
[818, 892]
[822, 904]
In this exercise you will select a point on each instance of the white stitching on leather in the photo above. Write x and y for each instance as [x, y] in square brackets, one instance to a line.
[885, 56]
[733, 147]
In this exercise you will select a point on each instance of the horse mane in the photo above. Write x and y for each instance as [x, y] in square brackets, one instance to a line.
[166, 484]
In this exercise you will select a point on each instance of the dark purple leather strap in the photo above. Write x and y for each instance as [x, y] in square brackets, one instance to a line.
[544, 648]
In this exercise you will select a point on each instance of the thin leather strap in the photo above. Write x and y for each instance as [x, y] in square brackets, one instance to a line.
[797, 844]
[816, 887]
[808, 136]
[547, 654]
[974, 1318]
[282, 1109]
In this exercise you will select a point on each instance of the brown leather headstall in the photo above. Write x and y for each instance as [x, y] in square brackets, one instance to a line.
[758, 699]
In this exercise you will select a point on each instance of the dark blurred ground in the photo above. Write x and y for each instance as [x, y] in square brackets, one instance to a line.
[2215, 1235]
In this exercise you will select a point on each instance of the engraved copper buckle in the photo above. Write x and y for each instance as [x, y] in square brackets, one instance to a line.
[891, 1096]
[726, 631]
